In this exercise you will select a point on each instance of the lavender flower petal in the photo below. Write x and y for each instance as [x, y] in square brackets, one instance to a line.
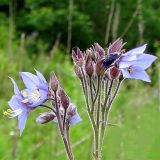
[136, 73]
[138, 50]
[75, 119]
[30, 80]
[22, 118]
[125, 73]
[16, 89]
[144, 60]
[14, 103]
[40, 77]
[139, 73]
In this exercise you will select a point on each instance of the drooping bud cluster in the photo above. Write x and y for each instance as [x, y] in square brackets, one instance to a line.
[95, 61]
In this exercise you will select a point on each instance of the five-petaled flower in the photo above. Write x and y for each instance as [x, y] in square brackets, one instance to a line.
[134, 62]
[35, 94]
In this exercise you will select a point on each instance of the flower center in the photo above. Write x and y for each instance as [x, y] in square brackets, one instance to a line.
[130, 70]
[33, 96]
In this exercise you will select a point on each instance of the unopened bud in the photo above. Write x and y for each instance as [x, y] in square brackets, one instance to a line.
[113, 72]
[45, 117]
[53, 82]
[100, 69]
[116, 46]
[78, 57]
[99, 50]
[64, 99]
[78, 71]
[89, 66]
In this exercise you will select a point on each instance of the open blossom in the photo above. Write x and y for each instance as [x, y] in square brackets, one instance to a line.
[22, 102]
[134, 62]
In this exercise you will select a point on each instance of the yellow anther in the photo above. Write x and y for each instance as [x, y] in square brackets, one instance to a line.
[9, 110]
[24, 94]
[5, 113]
[25, 101]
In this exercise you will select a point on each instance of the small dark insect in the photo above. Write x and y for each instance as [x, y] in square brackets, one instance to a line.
[109, 59]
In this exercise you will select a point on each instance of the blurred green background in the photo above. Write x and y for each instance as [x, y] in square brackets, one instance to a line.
[40, 34]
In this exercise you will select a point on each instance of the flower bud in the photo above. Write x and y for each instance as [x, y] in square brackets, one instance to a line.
[89, 66]
[78, 57]
[78, 71]
[100, 69]
[53, 82]
[99, 50]
[113, 72]
[64, 99]
[45, 117]
[116, 46]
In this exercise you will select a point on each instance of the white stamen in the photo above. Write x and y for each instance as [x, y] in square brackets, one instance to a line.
[14, 113]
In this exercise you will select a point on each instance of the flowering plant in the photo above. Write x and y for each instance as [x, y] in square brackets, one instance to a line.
[100, 72]
[37, 92]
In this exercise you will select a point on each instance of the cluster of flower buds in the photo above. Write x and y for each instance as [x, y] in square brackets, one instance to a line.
[95, 61]
[113, 62]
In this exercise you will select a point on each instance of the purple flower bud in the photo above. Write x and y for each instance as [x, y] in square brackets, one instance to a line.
[89, 66]
[114, 72]
[45, 117]
[53, 82]
[116, 46]
[99, 50]
[78, 72]
[100, 69]
[78, 57]
[64, 99]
